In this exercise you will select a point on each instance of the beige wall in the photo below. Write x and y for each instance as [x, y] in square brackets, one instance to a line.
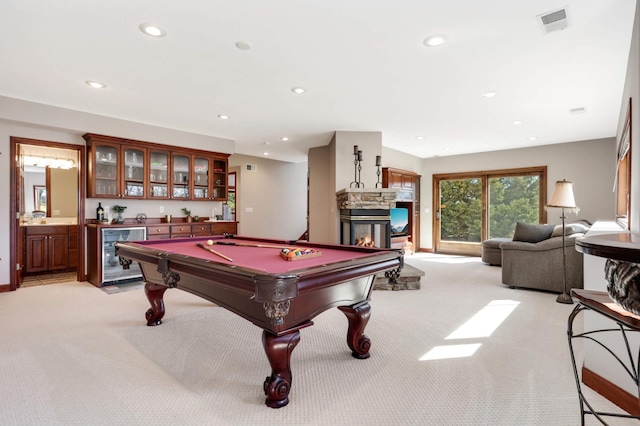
[594, 358]
[273, 199]
[401, 160]
[334, 166]
[63, 193]
[370, 143]
[590, 165]
[321, 198]
[632, 90]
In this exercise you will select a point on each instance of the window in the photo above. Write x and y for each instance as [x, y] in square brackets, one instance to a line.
[473, 207]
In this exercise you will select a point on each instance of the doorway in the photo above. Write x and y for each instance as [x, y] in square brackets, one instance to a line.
[24, 197]
[473, 207]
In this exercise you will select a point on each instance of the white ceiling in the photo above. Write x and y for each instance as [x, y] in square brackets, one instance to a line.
[363, 63]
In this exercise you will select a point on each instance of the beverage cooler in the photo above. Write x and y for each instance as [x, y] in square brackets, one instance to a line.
[112, 271]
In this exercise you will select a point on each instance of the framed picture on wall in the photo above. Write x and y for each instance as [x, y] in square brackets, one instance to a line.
[623, 174]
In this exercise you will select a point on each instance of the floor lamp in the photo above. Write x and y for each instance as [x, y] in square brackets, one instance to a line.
[562, 198]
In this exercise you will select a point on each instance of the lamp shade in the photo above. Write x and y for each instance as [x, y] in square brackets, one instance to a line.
[563, 195]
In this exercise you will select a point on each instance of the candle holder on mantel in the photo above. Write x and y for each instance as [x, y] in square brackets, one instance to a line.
[356, 167]
[378, 172]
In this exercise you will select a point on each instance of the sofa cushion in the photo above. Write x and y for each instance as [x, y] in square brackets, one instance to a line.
[532, 233]
[570, 228]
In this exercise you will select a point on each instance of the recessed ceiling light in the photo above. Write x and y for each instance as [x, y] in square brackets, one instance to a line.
[152, 30]
[419, 138]
[489, 94]
[532, 138]
[284, 138]
[95, 84]
[243, 45]
[265, 153]
[517, 122]
[298, 90]
[435, 40]
[223, 117]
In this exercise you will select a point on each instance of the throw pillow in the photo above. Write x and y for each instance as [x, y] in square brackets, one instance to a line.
[557, 231]
[532, 233]
[570, 229]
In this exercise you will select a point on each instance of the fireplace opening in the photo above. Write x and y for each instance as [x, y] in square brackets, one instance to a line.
[366, 227]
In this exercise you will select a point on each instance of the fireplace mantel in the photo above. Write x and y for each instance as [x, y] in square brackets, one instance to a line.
[366, 198]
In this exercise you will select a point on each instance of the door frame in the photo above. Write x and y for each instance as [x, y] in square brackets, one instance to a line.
[484, 175]
[15, 185]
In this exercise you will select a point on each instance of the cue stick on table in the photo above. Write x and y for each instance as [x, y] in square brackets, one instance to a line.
[225, 243]
[214, 252]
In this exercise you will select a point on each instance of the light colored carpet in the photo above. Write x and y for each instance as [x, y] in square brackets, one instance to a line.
[71, 354]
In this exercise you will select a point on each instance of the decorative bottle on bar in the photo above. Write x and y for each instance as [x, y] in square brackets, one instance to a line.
[100, 213]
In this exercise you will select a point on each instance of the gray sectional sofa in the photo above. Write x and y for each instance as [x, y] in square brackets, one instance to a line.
[533, 259]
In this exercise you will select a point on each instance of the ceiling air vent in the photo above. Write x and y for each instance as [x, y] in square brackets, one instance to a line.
[252, 167]
[553, 21]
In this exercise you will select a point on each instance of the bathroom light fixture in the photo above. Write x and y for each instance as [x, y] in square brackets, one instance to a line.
[419, 138]
[95, 84]
[223, 117]
[435, 40]
[52, 163]
[517, 122]
[489, 94]
[152, 30]
[284, 138]
[532, 138]
[298, 90]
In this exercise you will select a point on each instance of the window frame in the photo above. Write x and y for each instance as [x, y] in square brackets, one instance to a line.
[622, 185]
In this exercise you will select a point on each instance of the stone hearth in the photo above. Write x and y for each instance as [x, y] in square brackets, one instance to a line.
[409, 279]
[376, 200]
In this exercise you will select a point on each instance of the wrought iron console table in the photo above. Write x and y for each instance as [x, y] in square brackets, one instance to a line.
[622, 249]
[599, 301]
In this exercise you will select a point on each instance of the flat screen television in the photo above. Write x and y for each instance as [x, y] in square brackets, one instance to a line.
[399, 221]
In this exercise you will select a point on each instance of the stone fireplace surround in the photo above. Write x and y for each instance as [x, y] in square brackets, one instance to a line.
[375, 199]
[366, 211]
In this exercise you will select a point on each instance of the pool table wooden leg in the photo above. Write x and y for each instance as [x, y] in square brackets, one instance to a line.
[358, 316]
[278, 350]
[155, 294]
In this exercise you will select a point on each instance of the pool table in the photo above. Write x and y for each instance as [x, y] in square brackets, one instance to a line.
[248, 276]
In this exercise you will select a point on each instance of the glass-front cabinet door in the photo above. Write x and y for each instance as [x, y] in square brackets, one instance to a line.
[181, 170]
[122, 168]
[220, 179]
[201, 178]
[134, 172]
[158, 174]
[106, 161]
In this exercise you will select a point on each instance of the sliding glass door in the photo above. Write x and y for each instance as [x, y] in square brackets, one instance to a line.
[460, 214]
[473, 207]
